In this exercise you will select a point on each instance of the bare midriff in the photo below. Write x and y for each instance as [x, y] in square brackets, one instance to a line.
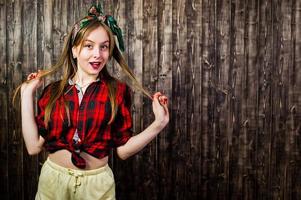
[63, 158]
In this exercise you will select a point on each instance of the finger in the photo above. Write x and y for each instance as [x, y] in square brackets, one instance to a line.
[30, 76]
[162, 105]
[166, 109]
[156, 95]
[163, 99]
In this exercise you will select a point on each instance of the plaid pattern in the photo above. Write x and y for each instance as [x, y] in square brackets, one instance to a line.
[90, 118]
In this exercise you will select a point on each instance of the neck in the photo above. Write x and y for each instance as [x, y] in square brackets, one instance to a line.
[82, 81]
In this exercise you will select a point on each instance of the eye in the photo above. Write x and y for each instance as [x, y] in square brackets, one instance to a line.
[104, 47]
[89, 46]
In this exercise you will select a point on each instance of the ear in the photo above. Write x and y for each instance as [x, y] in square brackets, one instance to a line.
[74, 51]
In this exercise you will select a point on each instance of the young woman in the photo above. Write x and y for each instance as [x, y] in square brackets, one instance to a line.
[85, 114]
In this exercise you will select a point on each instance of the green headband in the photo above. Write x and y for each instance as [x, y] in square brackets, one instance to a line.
[95, 13]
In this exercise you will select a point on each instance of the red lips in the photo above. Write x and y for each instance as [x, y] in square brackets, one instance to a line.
[95, 65]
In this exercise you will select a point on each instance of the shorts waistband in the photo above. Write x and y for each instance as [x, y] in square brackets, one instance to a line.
[76, 171]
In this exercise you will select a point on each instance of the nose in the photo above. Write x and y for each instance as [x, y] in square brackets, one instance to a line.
[96, 53]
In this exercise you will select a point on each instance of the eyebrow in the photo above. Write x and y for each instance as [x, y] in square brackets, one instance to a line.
[87, 40]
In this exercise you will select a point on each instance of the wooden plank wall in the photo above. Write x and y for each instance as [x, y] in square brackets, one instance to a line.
[231, 69]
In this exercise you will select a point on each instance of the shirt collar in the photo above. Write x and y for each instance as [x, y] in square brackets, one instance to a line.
[71, 82]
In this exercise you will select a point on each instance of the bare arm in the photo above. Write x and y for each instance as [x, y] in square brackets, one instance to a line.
[33, 141]
[139, 141]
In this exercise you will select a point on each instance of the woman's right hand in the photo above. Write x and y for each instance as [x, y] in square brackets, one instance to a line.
[33, 83]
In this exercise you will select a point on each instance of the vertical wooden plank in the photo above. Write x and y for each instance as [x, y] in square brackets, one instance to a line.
[285, 63]
[48, 34]
[57, 33]
[279, 155]
[197, 121]
[15, 141]
[56, 30]
[223, 15]
[59, 30]
[213, 134]
[77, 12]
[192, 87]
[40, 34]
[263, 142]
[261, 105]
[276, 144]
[179, 104]
[206, 70]
[149, 78]
[188, 78]
[236, 96]
[212, 115]
[259, 140]
[135, 56]
[229, 102]
[29, 27]
[70, 16]
[249, 100]
[269, 129]
[65, 25]
[4, 184]
[294, 125]
[164, 162]
[258, 114]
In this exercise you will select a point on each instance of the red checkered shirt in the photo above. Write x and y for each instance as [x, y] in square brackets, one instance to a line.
[89, 119]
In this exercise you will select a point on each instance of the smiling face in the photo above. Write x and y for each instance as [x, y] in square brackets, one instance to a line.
[93, 54]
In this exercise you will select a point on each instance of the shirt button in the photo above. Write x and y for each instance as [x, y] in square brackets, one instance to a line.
[81, 107]
[77, 90]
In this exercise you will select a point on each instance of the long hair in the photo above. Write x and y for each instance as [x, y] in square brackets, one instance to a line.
[68, 64]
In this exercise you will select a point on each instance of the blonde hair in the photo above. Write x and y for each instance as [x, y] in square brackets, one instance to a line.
[68, 63]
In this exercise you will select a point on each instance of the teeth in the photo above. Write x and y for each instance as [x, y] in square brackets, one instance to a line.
[95, 63]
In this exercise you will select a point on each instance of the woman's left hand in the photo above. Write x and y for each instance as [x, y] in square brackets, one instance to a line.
[160, 109]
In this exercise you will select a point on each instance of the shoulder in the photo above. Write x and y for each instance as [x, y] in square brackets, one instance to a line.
[119, 86]
[48, 88]
[124, 93]
[122, 88]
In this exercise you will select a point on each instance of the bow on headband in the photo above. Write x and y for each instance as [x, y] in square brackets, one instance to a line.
[96, 13]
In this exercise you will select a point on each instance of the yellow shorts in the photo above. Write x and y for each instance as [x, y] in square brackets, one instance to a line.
[59, 183]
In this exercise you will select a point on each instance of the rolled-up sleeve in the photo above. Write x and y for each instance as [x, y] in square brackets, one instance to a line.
[122, 125]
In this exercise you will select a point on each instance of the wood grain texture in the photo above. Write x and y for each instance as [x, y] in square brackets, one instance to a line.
[164, 84]
[231, 69]
[4, 185]
[14, 66]
[29, 58]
